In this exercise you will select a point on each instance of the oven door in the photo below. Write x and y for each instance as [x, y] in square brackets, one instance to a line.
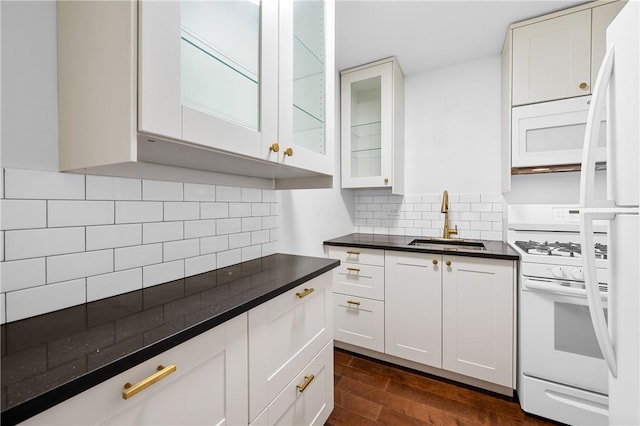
[558, 340]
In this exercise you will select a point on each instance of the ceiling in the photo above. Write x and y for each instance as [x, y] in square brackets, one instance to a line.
[428, 34]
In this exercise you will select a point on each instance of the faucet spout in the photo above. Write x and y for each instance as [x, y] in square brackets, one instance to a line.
[447, 232]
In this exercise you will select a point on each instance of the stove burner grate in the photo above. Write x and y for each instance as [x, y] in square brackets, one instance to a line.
[559, 249]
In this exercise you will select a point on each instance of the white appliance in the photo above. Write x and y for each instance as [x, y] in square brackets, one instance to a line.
[618, 83]
[562, 374]
[552, 133]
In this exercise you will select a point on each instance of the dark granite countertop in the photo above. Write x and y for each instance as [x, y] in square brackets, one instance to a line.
[50, 358]
[493, 249]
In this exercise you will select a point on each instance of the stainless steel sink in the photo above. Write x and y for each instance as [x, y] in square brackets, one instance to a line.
[448, 244]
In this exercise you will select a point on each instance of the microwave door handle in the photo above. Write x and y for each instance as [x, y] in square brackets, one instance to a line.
[592, 131]
[593, 294]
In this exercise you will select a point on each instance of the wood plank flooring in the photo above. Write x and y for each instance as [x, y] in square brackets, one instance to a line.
[368, 392]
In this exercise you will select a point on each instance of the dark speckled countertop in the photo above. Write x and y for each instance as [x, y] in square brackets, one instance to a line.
[493, 249]
[52, 357]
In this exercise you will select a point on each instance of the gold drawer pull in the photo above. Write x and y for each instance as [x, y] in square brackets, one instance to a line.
[353, 269]
[435, 261]
[131, 390]
[353, 302]
[307, 380]
[306, 292]
[353, 252]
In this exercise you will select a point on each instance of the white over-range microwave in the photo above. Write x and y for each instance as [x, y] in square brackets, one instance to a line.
[552, 133]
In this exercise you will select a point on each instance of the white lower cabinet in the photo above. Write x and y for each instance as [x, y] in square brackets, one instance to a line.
[307, 399]
[209, 386]
[413, 307]
[285, 334]
[359, 321]
[478, 318]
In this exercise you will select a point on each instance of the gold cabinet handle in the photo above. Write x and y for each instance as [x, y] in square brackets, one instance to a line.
[386, 181]
[288, 152]
[434, 261]
[353, 269]
[274, 147]
[131, 390]
[353, 252]
[448, 262]
[307, 381]
[583, 85]
[306, 292]
[353, 302]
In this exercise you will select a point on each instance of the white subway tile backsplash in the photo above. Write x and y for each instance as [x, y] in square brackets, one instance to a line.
[21, 274]
[228, 226]
[29, 243]
[259, 237]
[199, 228]
[214, 244]
[275, 209]
[239, 209]
[113, 188]
[269, 222]
[242, 239]
[269, 196]
[156, 232]
[46, 298]
[138, 211]
[181, 211]
[269, 249]
[260, 209]
[23, 214]
[274, 235]
[199, 192]
[228, 193]
[491, 216]
[199, 264]
[156, 190]
[469, 198]
[1, 246]
[481, 226]
[107, 285]
[251, 224]
[112, 236]
[133, 257]
[214, 210]
[71, 266]
[491, 235]
[481, 207]
[230, 257]
[3, 311]
[470, 216]
[251, 252]
[250, 195]
[497, 226]
[41, 185]
[79, 213]
[162, 273]
[181, 249]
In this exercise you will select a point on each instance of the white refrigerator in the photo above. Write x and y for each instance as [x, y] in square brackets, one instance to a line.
[618, 334]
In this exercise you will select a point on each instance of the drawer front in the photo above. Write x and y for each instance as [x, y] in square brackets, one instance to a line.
[359, 321]
[359, 280]
[357, 255]
[207, 387]
[285, 334]
[308, 398]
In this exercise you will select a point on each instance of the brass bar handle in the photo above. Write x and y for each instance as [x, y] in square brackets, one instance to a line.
[353, 302]
[353, 269]
[306, 292]
[131, 390]
[307, 381]
[353, 252]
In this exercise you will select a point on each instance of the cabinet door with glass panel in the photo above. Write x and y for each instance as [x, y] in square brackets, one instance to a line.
[372, 100]
[211, 69]
[306, 89]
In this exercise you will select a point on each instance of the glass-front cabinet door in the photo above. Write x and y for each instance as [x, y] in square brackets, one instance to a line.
[372, 126]
[306, 84]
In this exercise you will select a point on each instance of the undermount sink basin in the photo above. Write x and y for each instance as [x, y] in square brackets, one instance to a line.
[448, 244]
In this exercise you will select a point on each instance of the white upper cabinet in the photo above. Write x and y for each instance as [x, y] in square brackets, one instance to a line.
[206, 85]
[552, 59]
[372, 127]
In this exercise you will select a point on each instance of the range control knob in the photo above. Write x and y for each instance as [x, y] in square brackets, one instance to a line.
[557, 272]
[577, 274]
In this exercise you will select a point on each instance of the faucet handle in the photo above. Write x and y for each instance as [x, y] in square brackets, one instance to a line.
[454, 231]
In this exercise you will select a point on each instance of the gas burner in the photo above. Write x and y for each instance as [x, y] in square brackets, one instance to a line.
[559, 249]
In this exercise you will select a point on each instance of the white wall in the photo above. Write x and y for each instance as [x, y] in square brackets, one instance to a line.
[452, 126]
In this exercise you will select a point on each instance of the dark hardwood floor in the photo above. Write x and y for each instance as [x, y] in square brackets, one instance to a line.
[373, 393]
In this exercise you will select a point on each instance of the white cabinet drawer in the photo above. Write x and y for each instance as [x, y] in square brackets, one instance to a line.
[359, 280]
[207, 387]
[357, 255]
[298, 404]
[285, 334]
[359, 321]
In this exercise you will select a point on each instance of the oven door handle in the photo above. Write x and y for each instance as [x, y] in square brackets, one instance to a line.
[548, 287]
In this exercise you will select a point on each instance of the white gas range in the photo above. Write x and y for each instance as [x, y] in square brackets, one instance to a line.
[561, 372]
